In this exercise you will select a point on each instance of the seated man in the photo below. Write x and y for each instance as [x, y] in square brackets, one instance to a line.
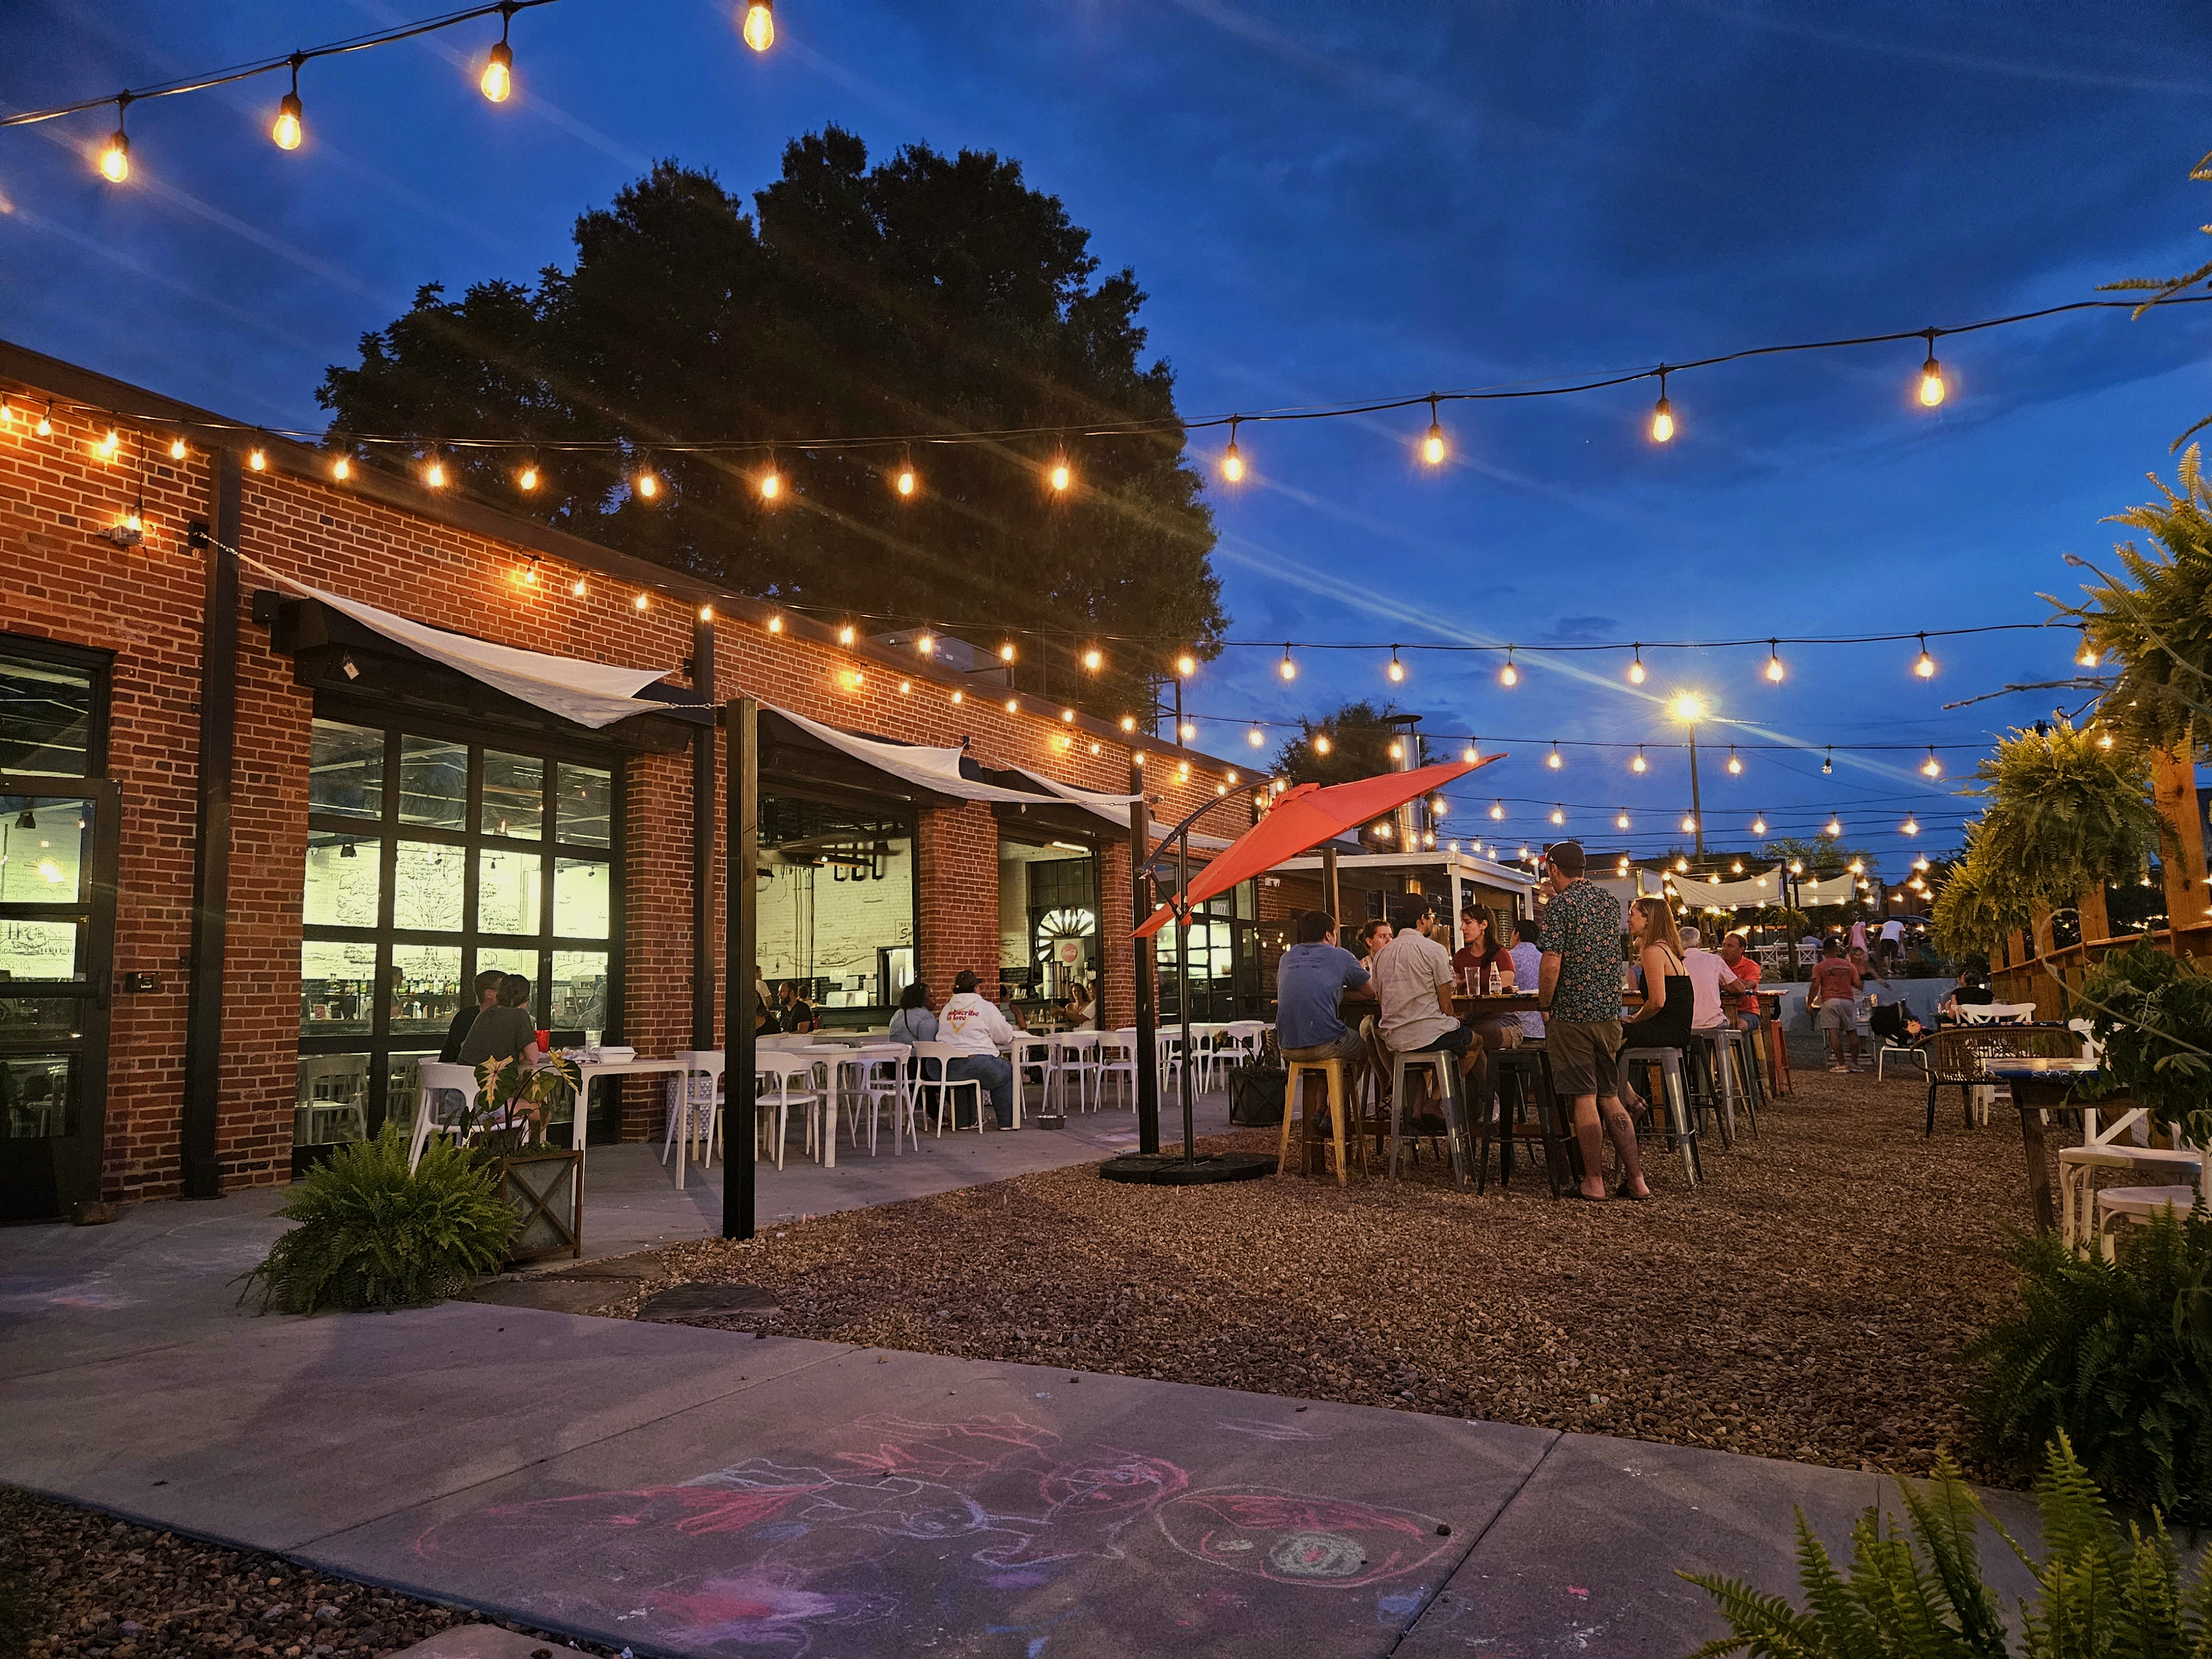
[1412, 978]
[973, 1026]
[1743, 968]
[1314, 977]
[1971, 991]
[1709, 980]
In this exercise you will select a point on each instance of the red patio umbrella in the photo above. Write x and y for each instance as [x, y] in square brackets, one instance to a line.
[1299, 822]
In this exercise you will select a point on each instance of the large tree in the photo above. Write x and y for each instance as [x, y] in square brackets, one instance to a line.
[926, 294]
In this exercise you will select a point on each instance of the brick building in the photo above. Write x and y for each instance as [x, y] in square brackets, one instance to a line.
[256, 838]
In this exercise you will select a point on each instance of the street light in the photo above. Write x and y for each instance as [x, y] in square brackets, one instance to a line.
[1689, 708]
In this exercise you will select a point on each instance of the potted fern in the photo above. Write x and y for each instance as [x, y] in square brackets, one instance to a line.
[541, 1182]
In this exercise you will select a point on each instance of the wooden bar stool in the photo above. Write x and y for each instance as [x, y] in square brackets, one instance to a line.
[1294, 1097]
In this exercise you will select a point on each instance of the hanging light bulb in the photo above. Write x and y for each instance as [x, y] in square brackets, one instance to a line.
[1621, 822]
[1931, 767]
[1638, 763]
[2104, 740]
[1682, 866]
[1013, 705]
[906, 483]
[434, 474]
[1508, 675]
[1555, 759]
[1005, 651]
[1397, 750]
[1924, 665]
[1396, 670]
[1922, 866]
[46, 426]
[1471, 754]
[115, 155]
[1287, 668]
[1559, 814]
[1736, 868]
[2087, 656]
[1859, 868]
[498, 78]
[1910, 827]
[641, 601]
[1433, 446]
[1187, 731]
[1232, 464]
[177, 447]
[108, 447]
[257, 460]
[1831, 829]
[1774, 670]
[340, 469]
[527, 478]
[1734, 766]
[1439, 806]
[1828, 762]
[1759, 824]
[1498, 810]
[1689, 825]
[1129, 722]
[577, 587]
[760, 25]
[771, 485]
[1662, 413]
[288, 129]
[1321, 745]
[1255, 737]
[530, 573]
[1186, 666]
[1062, 474]
[1932, 376]
[1094, 660]
[1636, 668]
[648, 483]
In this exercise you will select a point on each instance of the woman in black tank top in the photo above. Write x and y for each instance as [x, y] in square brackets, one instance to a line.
[1663, 1022]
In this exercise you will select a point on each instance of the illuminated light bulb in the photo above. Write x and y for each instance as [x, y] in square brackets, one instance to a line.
[859, 679]
[1797, 867]
[1689, 825]
[1129, 722]
[1639, 764]
[134, 520]
[1007, 652]
[706, 613]
[342, 468]
[1186, 666]
[1137, 758]
[1397, 750]
[1182, 771]
[1736, 868]
[1554, 760]
[1831, 829]
[288, 129]
[577, 587]
[1439, 806]
[648, 483]
[2104, 740]
[1094, 660]
[177, 447]
[1232, 464]
[958, 697]
[2087, 657]
[1858, 868]
[434, 475]
[498, 77]
[760, 25]
[1683, 865]
[848, 633]
[1621, 822]
[1911, 826]
[1497, 811]
[1922, 866]
[1924, 665]
[1396, 670]
[1220, 788]
[530, 574]
[46, 428]
[1231, 776]
[1382, 831]
[1688, 707]
[1828, 762]
[905, 482]
[775, 624]
[1062, 475]
[527, 478]
[1508, 675]
[1558, 814]
[1013, 705]
[1321, 745]
[1255, 737]
[1734, 766]
[1433, 446]
[1067, 715]
[771, 485]
[1931, 767]
[257, 460]
[115, 158]
[1663, 415]
[1287, 668]
[1635, 675]
[1094, 748]
[1759, 824]
[1932, 376]
[108, 446]
[7, 410]
[905, 687]
[1470, 755]
[641, 601]
[1774, 669]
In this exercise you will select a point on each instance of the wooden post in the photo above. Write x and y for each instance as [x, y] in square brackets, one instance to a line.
[2181, 844]
[2096, 921]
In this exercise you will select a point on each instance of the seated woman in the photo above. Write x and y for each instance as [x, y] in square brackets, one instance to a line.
[1080, 1012]
[1663, 1021]
[1480, 951]
[916, 1022]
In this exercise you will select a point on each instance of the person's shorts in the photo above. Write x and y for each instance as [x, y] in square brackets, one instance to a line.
[1584, 1056]
[1457, 1041]
[1837, 1017]
[1350, 1046]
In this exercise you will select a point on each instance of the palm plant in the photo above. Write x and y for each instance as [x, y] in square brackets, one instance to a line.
[2066, 811]
[1919, 1589]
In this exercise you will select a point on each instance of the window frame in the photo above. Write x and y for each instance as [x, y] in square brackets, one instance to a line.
[99, 665]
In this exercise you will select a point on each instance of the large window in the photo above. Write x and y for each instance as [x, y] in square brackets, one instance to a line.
[1047, 920]
[1223, 943]
[429, 860]
[836, 904]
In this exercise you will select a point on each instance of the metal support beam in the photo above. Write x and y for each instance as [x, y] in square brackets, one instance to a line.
[702, 845]
[741, 912]
[201, 1165]
[1148, 1069]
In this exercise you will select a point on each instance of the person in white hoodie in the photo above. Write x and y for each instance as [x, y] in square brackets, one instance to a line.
[967, 1021]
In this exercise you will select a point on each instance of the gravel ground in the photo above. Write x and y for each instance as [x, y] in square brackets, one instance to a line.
[74, 1581]
[1807, 1303]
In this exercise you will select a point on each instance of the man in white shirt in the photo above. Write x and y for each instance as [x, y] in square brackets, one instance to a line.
[968, 1023]
[1892, 942]
[1708, 977]
[1412, 978]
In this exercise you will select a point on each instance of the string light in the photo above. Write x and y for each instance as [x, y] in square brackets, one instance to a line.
[848, 633]
[1922, 866]
[1638, 763]
[177, 447]
[1129, 722]
[340, 469]
[1508, 675]
[498, 78]
[1621, 822]
[1833, 829]
[577, 587]
[1663, 414]
[1554, 760]
[648, 483]
[1062, 474]
[1636, 668]
[1734, 766]
[1433, 446]
[1471, 754]
[906, 483]
[115, 155]
[957, 698]
[771, 485]
[1255, 737]
[1094, 660]
[1397, 751]
[434, 474]
[1287, 668]
[530, 573]
[1005, 651]
[1321, 745]
[1924, 665]
[1498, 810]
[1186, 666]
[1230, 777]
[1759, 824]
[1932, 376]
[1910, 827]
[1396, 670]
[1187, 731]
[1439, 806]
[1774, 669]
[1689, 825]
[775, 624]
[2087, 656]
[1828, 762]
[527, 478]
[1013, 705]
[110, 445]
[1232, 464]
[257, 460]
[906, 688]
[2104, 740]
[642, 602]
[46, 426]
[760, 25]
[1931, 767]
[1736, 868]
[1682, 866]
[1558, 814]
[288, 129]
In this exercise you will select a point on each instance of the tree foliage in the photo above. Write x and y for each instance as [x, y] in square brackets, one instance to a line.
[2156, 617]
[925, 294]
[1357, 745]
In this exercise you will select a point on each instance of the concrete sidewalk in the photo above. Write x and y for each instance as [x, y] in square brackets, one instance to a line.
[690, 1491]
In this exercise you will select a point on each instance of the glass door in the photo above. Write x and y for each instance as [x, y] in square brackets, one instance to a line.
[58, 863]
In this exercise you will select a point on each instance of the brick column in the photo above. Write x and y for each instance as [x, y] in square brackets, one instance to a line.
[656, 923]
[1116, 954]
[956, 876]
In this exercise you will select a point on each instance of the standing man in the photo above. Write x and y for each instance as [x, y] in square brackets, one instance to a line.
[1527, 970]
[1893, 943]
[1314, 977]
[973, 1026]
[1413, 979]
[1579, 984]
[1835, 987]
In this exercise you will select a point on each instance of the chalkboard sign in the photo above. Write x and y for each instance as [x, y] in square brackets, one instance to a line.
[1962, 1054]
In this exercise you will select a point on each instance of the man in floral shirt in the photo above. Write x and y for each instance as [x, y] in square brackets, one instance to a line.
[1579, 985]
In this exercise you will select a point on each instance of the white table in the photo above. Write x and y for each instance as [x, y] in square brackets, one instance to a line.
[588, 1069]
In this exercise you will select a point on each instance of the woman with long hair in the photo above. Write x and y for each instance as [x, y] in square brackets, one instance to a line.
[1663, 1021]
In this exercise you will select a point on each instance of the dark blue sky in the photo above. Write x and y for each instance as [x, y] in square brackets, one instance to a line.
[1326, 201]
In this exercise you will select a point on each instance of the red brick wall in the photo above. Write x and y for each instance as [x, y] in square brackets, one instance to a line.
[59, 581]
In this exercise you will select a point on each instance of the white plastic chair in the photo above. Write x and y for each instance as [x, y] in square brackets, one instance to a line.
[1074, 1059]
[2081, 1219]
[1031, 1053]
[774, 1075]
[875, 1076]
[1996, 1013]
[432, 1079]
[694, 1109]
[1116, 1056]
[944, 1053]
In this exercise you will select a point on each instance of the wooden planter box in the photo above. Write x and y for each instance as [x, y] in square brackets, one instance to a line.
[546, 1187]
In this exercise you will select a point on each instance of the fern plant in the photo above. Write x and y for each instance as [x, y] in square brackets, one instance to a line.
[372, 1234]
[2115, 1356]
[2067, 812]
[2153, 1014]
[1918, 1590]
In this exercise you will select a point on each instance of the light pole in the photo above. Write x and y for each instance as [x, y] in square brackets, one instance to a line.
[1689, 709]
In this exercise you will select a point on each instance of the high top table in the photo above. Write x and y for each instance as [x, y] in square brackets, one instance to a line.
[2037, 1086]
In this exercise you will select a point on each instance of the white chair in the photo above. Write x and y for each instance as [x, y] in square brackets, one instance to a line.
[1074, 1059]
[2086, 1030]
[947, 1086]
[1997, 1014]
[433, 1081]
[781, 1081]
[1031, 1053]
[695, 1110]
[1167, 1054]
[878, 1076]
[1116, 1056]
[1206, 1040]
[2080, 1221]
[2137, 1205]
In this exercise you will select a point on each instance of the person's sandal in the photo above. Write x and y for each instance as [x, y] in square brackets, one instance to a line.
[1634, 1198]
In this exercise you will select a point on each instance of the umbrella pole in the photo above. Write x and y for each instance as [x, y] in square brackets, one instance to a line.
[1182, 994]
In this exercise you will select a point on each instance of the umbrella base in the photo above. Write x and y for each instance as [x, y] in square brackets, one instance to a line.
[1168, 1168]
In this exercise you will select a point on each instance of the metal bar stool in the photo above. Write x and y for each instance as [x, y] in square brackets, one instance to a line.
[1669, 1062]
[1529, 1067]
[1445, 1065]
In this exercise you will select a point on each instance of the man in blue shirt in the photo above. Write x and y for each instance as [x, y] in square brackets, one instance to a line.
[1313, 975]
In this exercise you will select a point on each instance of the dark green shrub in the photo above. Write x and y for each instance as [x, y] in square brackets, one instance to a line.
[2153, 1013]
[373, 1234]
[1918, 1590]
[2117, 1358]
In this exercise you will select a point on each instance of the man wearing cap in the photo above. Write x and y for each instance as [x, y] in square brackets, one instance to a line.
[1579, 987]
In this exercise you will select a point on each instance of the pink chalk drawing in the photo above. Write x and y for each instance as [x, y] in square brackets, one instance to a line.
[994, 1511]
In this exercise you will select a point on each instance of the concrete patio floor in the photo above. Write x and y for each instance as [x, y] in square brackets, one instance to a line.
[683, 1491]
